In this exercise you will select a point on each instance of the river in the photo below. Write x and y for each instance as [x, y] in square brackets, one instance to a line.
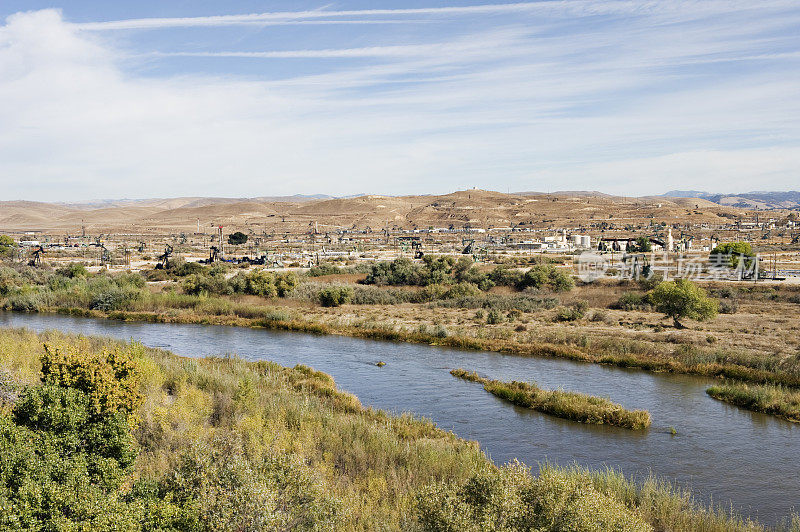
[723, 453]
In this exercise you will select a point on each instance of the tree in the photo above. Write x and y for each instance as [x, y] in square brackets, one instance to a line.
[6, 244]
[682, 298]
[730, 254]
[237, 238]
[642, 245]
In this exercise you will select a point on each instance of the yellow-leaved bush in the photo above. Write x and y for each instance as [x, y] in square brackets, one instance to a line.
[109, 377]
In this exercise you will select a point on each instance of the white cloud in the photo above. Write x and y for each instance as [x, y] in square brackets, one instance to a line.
[676, 9]
[518, 107]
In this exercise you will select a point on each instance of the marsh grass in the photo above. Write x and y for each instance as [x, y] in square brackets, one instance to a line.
[775, 400]
[567, 405]
[370, 468]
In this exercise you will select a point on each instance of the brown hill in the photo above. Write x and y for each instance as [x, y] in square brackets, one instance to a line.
[476, 208]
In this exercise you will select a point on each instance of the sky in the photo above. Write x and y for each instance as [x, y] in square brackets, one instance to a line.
[160, 98]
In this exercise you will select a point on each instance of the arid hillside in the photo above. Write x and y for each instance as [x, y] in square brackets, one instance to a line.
[475, 208]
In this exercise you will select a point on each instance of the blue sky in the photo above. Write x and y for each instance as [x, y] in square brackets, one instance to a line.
[198, 98]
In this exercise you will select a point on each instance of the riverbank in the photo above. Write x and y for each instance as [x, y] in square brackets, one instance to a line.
[364, 467]
[563, 404]
[683, 359]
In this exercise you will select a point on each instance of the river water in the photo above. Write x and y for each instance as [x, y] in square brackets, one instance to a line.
[723, 453]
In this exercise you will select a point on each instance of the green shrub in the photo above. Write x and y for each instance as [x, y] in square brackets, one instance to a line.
[114, 299]
[632, 301]
[216, 487]
[546, 276]
[574, 312]
[511, 499]
[202, 284]
[6, 244]
[324, 269]
[729, 254]
[461, 290]
[683, 299]
[335, 296]
[493, 317]
[72, 270]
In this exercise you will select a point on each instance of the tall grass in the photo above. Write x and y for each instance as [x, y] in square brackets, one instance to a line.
[775, 400]
[567, 405]
[380, 472]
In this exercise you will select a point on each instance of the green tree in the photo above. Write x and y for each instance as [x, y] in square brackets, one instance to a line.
[237, 238]
[642, 245]
[730, 253]
[6, 244]
[682, 298]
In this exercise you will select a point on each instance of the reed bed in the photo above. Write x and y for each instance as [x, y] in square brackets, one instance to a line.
[375, 470]
[567, 405]
[768, 399]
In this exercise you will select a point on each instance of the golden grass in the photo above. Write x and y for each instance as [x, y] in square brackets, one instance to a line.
[775, 400]
[566, 405]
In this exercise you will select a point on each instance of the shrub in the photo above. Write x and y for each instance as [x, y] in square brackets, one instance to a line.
[10, 280]
[728, 306]
[216, 487]
[683, 299]
[324, 269]
[114, 299]
[494, 317]
[202, 284]
[546, 276]
[462, 289]
[109, 378]
[335, 296]
[574, 312]
[632, 301]
[6, 244]
[181, 268]
[505, 276]
[31, 302]
[510, 498]
[61, 469]
[72, 270]
[397, 272]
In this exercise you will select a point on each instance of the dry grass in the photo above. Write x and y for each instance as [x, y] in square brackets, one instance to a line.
[566, 405]
[776, 400]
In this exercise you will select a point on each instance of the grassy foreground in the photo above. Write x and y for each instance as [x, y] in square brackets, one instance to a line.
[223, 444]
[775, 400]
[567, 405]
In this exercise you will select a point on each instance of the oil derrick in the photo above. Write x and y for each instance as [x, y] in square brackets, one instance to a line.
[416, 245]
[163, 259]
[142, 247]
[105, 257]
[36, 259]
[312, 231]
[469, 246]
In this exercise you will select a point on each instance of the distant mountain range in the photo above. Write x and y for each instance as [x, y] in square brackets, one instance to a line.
[761, 200]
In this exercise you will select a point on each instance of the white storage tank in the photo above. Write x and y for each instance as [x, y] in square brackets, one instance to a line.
[586, 241]
[577, 240]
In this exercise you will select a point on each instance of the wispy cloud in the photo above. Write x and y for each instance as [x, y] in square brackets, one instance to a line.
[549, 96]
[564, 8]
